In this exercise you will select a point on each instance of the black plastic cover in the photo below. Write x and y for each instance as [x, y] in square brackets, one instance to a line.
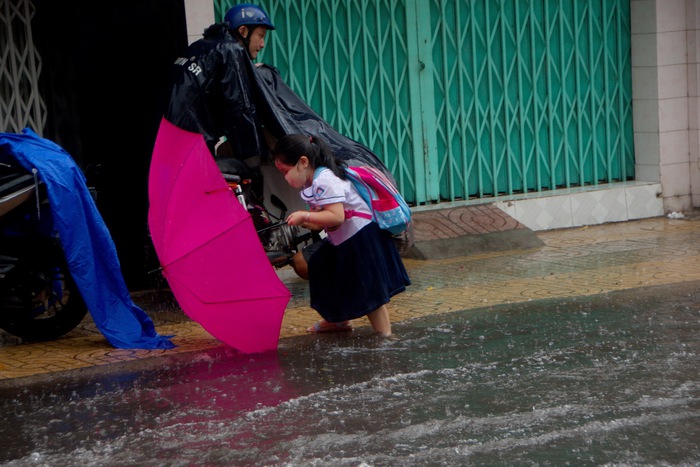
[218, 90]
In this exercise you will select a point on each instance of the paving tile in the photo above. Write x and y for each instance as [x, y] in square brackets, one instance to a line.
[573, 262]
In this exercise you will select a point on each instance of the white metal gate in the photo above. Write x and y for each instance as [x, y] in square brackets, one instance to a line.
[20, 65]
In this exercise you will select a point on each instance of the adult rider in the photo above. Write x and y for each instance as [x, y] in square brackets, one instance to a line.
[211, 89]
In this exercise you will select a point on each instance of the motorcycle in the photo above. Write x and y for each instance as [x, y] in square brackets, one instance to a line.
[39, 299]
[280, 240]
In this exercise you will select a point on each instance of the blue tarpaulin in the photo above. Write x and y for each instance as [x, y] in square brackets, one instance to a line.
[90, 251]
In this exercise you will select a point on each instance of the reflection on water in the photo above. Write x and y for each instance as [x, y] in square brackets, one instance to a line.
[613, 379]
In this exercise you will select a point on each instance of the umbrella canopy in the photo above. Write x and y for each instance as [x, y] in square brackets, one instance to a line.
[208, 248]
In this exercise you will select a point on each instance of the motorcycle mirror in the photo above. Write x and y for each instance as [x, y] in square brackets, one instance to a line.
[276, 202]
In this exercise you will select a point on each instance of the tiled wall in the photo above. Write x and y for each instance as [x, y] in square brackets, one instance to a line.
[693, 16]
[581, 206]
[665, 90]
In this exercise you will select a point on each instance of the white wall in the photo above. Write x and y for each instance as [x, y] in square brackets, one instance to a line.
[200, 15]
[665, 98]
[693, 17]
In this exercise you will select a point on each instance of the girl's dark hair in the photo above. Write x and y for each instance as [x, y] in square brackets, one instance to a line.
[290, 148]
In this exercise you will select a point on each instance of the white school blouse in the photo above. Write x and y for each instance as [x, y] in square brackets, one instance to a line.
[327, 188]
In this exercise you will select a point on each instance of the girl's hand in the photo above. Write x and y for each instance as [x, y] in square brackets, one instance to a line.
[330, 217]
[297, 217]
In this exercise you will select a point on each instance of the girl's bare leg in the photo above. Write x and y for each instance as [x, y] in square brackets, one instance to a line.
[300, 266]
[379, 319]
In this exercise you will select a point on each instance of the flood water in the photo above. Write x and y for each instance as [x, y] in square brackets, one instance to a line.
[612, 379]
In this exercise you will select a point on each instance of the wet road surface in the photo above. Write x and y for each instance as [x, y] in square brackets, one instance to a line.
[609, 378]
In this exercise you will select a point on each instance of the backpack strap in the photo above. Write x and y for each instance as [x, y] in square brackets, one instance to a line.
[349, 213]
[318, 171]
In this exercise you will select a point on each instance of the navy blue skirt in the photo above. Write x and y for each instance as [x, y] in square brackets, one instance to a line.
[356, 277]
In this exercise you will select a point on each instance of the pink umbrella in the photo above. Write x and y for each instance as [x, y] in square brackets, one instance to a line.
[208, 248]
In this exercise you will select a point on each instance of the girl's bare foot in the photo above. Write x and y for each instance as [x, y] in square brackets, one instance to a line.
[324, 326]
[379, 319]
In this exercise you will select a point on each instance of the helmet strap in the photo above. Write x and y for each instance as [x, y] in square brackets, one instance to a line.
[245, 39]
[247, 28]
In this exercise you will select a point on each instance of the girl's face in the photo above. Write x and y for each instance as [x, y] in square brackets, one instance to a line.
[296, 175]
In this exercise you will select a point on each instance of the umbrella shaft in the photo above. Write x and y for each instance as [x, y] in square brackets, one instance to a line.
[264, 229]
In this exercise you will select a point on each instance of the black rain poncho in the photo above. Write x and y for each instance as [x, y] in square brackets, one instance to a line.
[212, 94]
[217, 91]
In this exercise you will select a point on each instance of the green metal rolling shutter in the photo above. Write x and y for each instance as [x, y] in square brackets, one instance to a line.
[467, 98]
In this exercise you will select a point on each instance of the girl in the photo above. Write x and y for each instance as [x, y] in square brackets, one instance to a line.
[357, 269]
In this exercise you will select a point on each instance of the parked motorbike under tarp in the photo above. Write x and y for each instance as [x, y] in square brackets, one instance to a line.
[39, 300]
[88, 246]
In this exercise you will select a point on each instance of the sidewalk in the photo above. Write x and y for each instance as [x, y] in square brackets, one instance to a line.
[478, 258]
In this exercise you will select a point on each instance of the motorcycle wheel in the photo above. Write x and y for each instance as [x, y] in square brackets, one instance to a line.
[52, 305]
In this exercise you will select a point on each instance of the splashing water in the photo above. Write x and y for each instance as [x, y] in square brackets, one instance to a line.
[607, 379]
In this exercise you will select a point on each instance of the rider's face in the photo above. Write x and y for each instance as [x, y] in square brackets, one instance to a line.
[256, 41]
